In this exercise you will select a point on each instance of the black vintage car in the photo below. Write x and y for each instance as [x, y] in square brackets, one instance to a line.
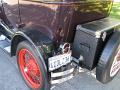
[52, 39]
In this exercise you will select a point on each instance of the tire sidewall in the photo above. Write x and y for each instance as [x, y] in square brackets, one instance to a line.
[105, 72]
[28, 46]
[107, 58]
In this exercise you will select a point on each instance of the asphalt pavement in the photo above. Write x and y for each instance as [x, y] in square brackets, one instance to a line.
[10, 78]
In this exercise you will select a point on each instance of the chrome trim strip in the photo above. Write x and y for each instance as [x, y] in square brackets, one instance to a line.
[62, 80]
[62, 73]
[6, 27]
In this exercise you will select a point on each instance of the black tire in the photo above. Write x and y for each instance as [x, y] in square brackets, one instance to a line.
[44, 85]
[104, 69]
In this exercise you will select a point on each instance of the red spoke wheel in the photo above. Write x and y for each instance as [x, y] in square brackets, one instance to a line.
[31, 67]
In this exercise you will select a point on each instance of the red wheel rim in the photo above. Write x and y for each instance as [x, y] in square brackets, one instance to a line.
[29, 68]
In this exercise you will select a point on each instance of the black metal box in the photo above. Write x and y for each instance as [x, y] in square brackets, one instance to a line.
[90, 39]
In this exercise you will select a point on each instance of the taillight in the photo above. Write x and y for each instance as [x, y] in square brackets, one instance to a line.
[65, 47]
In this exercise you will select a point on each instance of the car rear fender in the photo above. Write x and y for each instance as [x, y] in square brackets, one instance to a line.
[42, 44]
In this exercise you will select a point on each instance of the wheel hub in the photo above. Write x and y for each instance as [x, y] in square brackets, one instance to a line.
[32, 67]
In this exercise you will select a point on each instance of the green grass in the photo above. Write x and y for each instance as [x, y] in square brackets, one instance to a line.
[115, 10]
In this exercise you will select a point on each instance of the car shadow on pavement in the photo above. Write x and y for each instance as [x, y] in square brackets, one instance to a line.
[10, 78]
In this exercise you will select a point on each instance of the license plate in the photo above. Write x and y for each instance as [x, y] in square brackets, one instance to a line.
[59, 60]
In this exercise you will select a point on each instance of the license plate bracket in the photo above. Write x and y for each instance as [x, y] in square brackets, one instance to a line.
[59, 60]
